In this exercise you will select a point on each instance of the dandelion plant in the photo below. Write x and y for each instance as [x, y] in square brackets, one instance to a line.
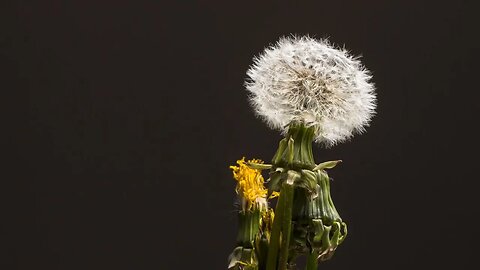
[312, 92]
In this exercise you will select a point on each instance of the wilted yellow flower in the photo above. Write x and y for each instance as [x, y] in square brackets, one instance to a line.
[250, 183]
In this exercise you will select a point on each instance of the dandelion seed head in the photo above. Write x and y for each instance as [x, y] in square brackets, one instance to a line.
[311, 81]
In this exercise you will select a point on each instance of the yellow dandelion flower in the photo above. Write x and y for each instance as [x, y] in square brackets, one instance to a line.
[250, 183]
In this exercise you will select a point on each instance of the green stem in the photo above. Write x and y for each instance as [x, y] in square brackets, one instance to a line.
[275, 235]
[312, 262]
[287, 190]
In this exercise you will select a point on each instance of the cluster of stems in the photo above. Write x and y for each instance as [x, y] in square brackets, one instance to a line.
[304, 222]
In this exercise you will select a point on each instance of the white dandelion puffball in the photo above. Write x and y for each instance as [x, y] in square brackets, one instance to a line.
[309, 80]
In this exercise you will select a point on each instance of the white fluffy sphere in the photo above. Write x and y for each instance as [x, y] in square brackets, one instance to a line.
[309, 80]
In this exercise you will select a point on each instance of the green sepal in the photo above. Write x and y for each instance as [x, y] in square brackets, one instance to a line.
[248, 227]
[315, 238]
[326, 238]
[295, 150]
[277, 158]
[275, 180]
[326, 165]
[308, 181]
[290, 153]
[344, 230]
[258, 166]
[243, 259]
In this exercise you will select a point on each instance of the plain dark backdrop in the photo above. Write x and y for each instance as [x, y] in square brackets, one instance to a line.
[121, 119]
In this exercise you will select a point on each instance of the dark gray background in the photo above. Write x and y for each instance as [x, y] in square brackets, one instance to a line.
[121, 120]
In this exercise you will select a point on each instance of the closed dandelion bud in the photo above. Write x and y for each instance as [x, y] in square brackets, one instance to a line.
[317, 225]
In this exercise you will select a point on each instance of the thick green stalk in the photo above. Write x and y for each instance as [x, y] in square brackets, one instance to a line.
[275, 234]
[287, 189]
[312, 262]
